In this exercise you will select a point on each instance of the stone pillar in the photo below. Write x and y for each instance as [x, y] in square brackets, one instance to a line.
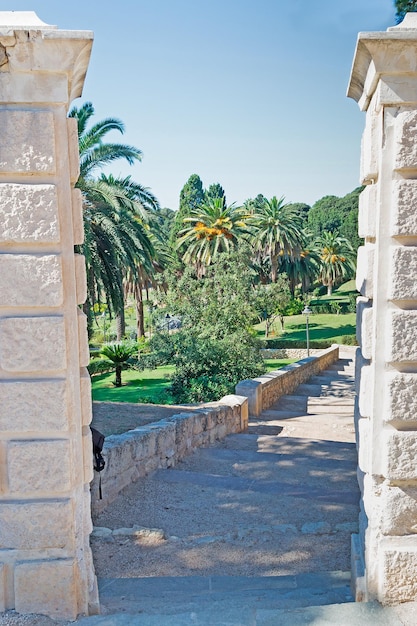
[45, 407]
[384, 83]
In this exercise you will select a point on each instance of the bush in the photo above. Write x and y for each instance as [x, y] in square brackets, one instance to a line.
[349, 340]
[317, 344]
[99, 366]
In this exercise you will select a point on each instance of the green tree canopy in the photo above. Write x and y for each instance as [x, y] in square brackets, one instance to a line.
[404, 6]
[332, 213]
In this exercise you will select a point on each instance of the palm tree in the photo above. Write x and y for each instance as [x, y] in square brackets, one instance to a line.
[302, 268]
[121, 357]
[277, 231]
[337, 259]
[116, 212]
[212, 228]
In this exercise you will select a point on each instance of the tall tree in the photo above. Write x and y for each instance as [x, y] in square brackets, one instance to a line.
[337, 259]
[214, 191]
[277, 231]
[332, 213]
[115, 211]
[191, 197]
[404, 6]
[211, 228]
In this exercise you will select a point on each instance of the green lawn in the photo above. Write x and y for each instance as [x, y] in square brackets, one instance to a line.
[149, 385]
[321, 326]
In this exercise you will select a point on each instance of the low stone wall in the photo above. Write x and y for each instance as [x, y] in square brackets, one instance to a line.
[288, 353]
[262, 392]
[163, 444]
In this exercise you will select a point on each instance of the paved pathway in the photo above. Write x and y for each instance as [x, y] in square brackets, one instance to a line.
[254, 530]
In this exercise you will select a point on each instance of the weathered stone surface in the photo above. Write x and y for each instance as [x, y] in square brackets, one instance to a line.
[364, 326]
[47, 587]
[399, 574]
[364, 452]
[398, 510]
[398, 455]
[33, 406]
[27, 142]
[80, 278]
[86, 402]
[49, 463]
[83, 338]
[28, 213]
[29, 344]
[36, 525]
[368, 206]
[371, 142]
[403, 270]
[365, 270]
[401, 342]
[366, 391]
[400, 398]
[77, 216]
[74, 154]
[30, 280]
[404, 208]
[2, 587]
[405, 148]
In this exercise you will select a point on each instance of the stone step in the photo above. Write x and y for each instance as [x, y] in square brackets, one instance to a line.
[218, 596]
[292, 402]
[308, 389]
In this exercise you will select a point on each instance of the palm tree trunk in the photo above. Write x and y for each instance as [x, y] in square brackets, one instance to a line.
[120, 325]
[274, 268]
[329, 289]
[140, 318]
[118, 381]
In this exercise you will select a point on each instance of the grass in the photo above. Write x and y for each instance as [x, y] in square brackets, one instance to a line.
[321, 326]
[150, 385]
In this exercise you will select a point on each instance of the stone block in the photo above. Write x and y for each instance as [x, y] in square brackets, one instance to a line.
[2, 587]
[27, 142]
[366, 391]
[400, 399]
[398, 510]
[360, 362]
[29, 344]
[371, 145]
[365, 270]
[36, 525]
[28, 213]
[47, 587]
[368, 209]
[398, 572]
[87, 455]
[30, 280]
[84, 350]
[38, 466]
[398, 455]
[364, 326]
[28, 406]
[77, 216]
[74, 155]
[365, 448]
[401, 333]
[403, 270]
[80, 278]
[86, 402]
[252, 390]
[404, 208]
[405, 147]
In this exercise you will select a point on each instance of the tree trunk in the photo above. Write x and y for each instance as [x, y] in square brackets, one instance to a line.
[140, 319]
[118, 381]
[120, 325]
[329, 289]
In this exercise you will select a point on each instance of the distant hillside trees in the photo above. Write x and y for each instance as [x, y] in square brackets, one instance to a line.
[334, 214]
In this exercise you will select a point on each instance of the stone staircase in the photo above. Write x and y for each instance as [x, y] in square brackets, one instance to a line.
[254, 530]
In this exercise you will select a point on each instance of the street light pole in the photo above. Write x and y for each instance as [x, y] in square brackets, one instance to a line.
[307, 312]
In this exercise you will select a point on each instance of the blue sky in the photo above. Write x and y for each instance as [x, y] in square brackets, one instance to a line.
[247, 93]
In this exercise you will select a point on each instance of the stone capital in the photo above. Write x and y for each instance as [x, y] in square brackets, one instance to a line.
[38, 62]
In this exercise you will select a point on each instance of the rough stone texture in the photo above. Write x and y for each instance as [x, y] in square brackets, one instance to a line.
[84, 351]
[27, 142]
[371, 140]
[405, 148]
[45, 401]
[47, 583]
[77, 215]
[73, 151]
[36, 525]
[30, 344]
[398, 510]
[399, 454]
[401, 342]
[49, 463]
[365, 391]
[80, 278]
[86, 405]
[28, 213]
[365, 270]
[367, 212]
[400, 399]
[399, 574]
[37, 280]
[2, 587]
[364, 449]
[403, 270]
[404, 208]
[364, 326]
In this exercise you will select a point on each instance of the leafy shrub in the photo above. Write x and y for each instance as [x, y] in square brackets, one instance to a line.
[349, 340]
[317, 344]
[100, 366]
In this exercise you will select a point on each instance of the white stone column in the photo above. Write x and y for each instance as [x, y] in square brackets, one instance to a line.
[45, 406]
[384, 83]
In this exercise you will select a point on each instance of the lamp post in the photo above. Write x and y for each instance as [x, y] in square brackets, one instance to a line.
[307, 312]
